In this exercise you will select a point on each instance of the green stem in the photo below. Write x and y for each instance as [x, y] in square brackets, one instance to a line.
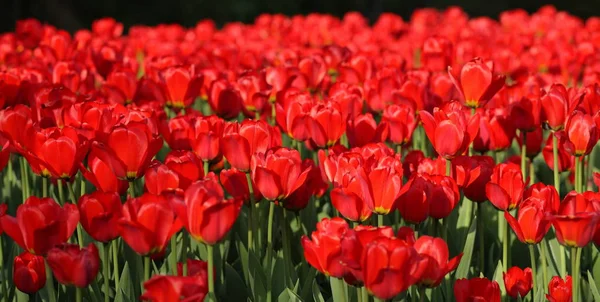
[206, 168]
[273, 114]
[79, 228]
[105, 265]
[543, 254]
[211, 276]
[50, 283]
[481, 236]
[380, 220]
[147, 263]
[505, 243]
[2, 275]
[287, 254]
[533, 269]
[82, 185]
[78, 294]
[524, 156]
[575, 260]
[399, 150]
[251, 230]
[555, 162]
[270, 249]
[421, 293]
[364, 293]
[337, 289]
[563, 261]
[131, 189]
[44, 187]
[115, 259]
[184, 247]
[61, 193]
[173, 255]
[32, 297]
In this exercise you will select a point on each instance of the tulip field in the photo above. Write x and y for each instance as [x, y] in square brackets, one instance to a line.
[307, 158]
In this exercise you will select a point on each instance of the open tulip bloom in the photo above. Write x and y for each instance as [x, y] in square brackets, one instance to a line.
[304, 158]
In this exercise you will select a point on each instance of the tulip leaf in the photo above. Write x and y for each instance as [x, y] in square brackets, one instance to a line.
[593, 287]
[465, 263]
[257, 278]
[499, 277]
[316, 291]
[288, 295]
[236, 289]
[306, 289]
[126, 292]
[465, 212]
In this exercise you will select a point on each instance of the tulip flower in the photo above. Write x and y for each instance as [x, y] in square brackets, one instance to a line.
[195, 268]
[581, 133]
[205, 213]
[531, 225]
[437, 53]
[443, 196]
[73, 265]
[181, 85]
[353, 242]
[4, 152]
[242, 140]
[477, 82]
[236, 184]
[576, 220]
[413, 202]
[205, 140]
[545, 196]
[473, 173]
[560, 290]
[224, 99]
[326, 124]
[174, 288]
[391, 266]
[518, 282]
[496, 131]
[29, 272]
[565, 158]
[99, 213]
[506, 186]
[402, 121]
[323, 249]
[147, 223]
[314, 186]
[16, 124]
[101, 175]
[121, 84]
[278, 173]
[556, 106]
[450, 132]
[41, 224]
[186, 165]
[435, 251]
[363, 130]
[476, 289]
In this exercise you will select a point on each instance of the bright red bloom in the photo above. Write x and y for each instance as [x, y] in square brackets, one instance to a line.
[195, 268]
[314, 185]
[147, 224]
[443, 196]
[99, 213]
[477, 82]
[205, 141]
[565, 158]
[29, 272]
[435, 252]
[323, 250]
[526, 113]
[205, 213]
[476, 289]
[242, 140]
[518, 282]
[181, 86]
[121, 85]
[576, 220]
[102, 176]
[41, 224]
[278, 173]
[235, 183]
[73, 265]
[531, 225]
[557, 105]
[354, 241]
[391, 266]
[4, 152]
[363, 130]
[413, 203]
[560, 290]
[16, 124]
[450, 132]
[506, 186]
[472, 173]
[437, 53]
[496, 132]
[546, 196]
[162, 288]
[581, 133]
[129, 149]
[402, 121]
[187, 166]
[326, 124]
[159, 178]
[224, 99]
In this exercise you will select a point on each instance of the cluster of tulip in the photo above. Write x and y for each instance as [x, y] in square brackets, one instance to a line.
[235, 164]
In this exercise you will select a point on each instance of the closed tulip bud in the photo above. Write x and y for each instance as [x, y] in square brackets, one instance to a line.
[476, 289]
[443, 196]
[560, 290]
[505, 189]
[496, 132]
[236, 184]
[73, 265]
[518, 282]
[187, 165]
[206, 138]
[581, 133]
[224, 99]
[29, 272]
[556, 106]
[181, 85]
[531, 225]
[413, 202]
[363, 130]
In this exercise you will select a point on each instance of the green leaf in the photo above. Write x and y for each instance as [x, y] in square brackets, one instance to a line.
[126, 292]
[499, 278]
[465, 263]
[317, 296]
[465, 212]
[306, 285]
[258, 278]
[236, 289]
[593, 287]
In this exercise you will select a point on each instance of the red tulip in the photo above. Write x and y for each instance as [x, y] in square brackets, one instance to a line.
[162, 288]
[278, 173]
[443, 196]
[557, 105]
[323, 249]
[205, 213]
[565, 158]
[102, 176]
[41, 224]
[122, 85]
[147, 224]
[181, 85]
[314, 185]
[391, 266]
[496, 132]
[506, 186]
[29, 272]
[476, 289]
[545, 196]
[4, 152]
[363, 130]
[186, 165]
[477, 82]
[73, 265]
[518, 281]
[194, 268]
[576, 220]
[224, 99]
[236, 184]
[413, 202]
[128, 150]
[353, 244]
[16, 124]
[242, 140]
[473, 173]
[560, 290]
[326, 124]
[402, 121]
[435, 252]
[205, 141]
[581, 133]
[349, 198]
[450, 132]
[100, 213]
[531, 225]
[437, 53]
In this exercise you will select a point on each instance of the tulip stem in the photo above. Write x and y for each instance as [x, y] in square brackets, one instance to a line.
[481, 237]
[173, 255]
[524, 157]
[24, 180]
[50, 283]
[105, 269]
[78, 295]
[543, 253]
[270, 249]
[44, 187]
[115, 256]
[533, 268]
[287, 254]
[61, 193]
[337, 289]
[505, 239]
[79, 229]
[146, 268]
[211, 276]
[364, 293]
[575, 260]
[206, 168]
[131, 190]
[379, 220]
[184, 247]
[555, 163]
[250, 215]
